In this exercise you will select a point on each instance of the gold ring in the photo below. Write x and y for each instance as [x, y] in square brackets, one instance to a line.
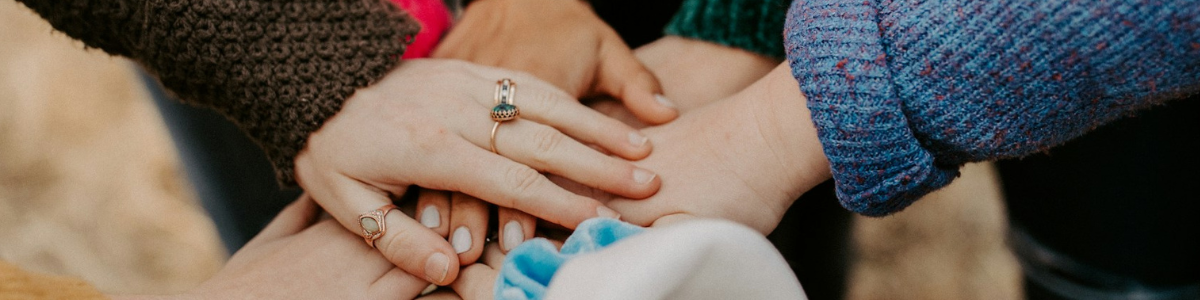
[373, 224]
[505, 110]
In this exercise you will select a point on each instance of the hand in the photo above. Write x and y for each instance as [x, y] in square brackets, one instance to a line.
[673, 60]
[292, 258]
[427, 124]
[477, 280]
[468, 222]
[562, 42]
[745, 158]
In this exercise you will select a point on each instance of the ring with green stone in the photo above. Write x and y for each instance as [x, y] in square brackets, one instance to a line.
[505, 110]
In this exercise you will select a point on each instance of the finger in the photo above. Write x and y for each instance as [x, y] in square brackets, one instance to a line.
[509, 184]
[674, 218]
[441, 295]
[348, 250]
[581, 189]
[291, 220]
[493, 256]
[623, 76]
[433, 206]
[546, 149]
[515, 227]
[397, 284]
[475, 282]
[617, 111]
[556, 109]
[469, 220]
[405, 242]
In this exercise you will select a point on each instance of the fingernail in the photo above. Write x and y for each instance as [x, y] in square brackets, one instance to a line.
[436, 267]
[429, 289]
[513, 235]
[430, 217]
[637, 139]
[641, 176]
[461, 240]
[664, 101]
[606, 212]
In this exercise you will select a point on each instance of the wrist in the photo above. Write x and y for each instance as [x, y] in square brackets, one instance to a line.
[786, 124]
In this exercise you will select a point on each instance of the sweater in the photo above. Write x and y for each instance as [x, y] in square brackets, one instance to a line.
[276, 69]
[903, 93]
[751, 25]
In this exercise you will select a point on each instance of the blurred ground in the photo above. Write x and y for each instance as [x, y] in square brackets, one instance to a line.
[89, 183]
[90, 187]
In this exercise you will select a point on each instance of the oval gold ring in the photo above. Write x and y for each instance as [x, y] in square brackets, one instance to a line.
[505, 110]
[373, 223]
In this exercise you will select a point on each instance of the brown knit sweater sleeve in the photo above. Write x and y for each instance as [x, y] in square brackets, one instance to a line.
[278, 69]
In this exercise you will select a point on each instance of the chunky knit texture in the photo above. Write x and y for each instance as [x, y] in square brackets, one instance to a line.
[278, 69]
[905, 92]
[752, 25]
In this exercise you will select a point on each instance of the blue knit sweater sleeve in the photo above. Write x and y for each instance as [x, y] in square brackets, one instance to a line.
[904, 92]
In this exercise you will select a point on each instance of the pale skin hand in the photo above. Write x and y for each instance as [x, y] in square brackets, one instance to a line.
[427, 124]
[693, 73]
[476, 280]
[744, 158]
[673, 59]
[725, 166]
[293, 258]
[560, 41]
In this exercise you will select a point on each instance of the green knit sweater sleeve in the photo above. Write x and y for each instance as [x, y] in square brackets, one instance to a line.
[753, 25]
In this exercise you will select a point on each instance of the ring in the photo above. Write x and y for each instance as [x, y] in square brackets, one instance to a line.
[373, 224]
[505, 110]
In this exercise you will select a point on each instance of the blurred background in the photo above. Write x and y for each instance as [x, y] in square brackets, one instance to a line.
[91, 186]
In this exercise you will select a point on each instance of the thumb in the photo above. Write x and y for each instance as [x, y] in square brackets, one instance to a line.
[622, 76]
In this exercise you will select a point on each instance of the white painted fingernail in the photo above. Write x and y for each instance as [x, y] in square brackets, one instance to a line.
[605, 212]
[461, 240]
[664, 101]
[513, 235]
[430, 217]
[641, 176]
[637, 139]
[429, 289]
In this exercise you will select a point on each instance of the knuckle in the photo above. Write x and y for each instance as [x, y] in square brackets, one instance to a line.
[546, 141]
[393, 245]
[522, 181]
[542, 101]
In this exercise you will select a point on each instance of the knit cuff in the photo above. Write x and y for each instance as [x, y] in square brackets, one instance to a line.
[753, 25]
[836, 54]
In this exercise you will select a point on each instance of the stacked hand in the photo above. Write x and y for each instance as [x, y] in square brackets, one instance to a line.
[742, 150]
[730, 159]
[427, 124]
[563, 43]
[744, 158]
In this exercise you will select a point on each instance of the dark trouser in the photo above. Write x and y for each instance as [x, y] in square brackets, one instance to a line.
[1113, 214]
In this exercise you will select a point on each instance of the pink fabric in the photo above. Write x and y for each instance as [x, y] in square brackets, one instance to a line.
[435, 20]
